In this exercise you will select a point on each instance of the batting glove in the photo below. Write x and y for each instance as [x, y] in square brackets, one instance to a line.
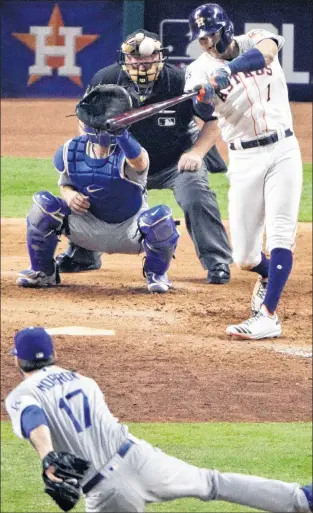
[205, 94]
[220, 78]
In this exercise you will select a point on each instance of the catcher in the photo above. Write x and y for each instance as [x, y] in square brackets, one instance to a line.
[61, 410]
[103, 205]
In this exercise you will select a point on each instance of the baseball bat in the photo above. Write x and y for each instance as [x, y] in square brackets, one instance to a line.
[130, 117]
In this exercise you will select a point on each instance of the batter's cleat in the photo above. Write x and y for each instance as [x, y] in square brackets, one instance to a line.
[38, 279]
[261, 325]
[307, 490]
[157, 282]
[219, 275]
[258, 295]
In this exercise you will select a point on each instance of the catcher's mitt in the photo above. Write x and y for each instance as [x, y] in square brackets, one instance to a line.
[71, 470]
[101, 103]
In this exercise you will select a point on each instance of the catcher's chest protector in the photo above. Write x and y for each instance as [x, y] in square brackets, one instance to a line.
[112, 198]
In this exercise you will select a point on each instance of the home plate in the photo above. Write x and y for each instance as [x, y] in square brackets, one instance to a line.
[79, 330]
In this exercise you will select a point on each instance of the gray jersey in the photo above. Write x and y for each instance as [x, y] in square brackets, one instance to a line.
[80, 422]
[78, 416]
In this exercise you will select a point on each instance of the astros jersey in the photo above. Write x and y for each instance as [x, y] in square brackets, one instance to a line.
[255, 102]
[78, 416]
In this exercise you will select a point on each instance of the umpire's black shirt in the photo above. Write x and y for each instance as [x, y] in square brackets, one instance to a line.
[165, 135]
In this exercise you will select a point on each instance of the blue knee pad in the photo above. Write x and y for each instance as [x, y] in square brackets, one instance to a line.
[160, 238]
[45, 218]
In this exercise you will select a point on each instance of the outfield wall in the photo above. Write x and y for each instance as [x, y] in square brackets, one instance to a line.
[52, 49]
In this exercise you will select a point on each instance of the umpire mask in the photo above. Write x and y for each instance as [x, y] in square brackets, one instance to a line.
[142, 58]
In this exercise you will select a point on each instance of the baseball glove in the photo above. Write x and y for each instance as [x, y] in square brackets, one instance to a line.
[71, 470]
[101, 103]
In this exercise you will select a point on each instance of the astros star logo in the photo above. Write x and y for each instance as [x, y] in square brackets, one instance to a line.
[55, 48]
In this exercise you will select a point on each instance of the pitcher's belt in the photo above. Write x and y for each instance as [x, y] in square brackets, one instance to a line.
[262, 141]
[99, 477]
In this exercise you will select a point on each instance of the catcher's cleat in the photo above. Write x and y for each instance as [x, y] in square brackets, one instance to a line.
[258, 295]
[68, 264]
[38, 279]
[261, 325]
[157, 283]
[219, 275]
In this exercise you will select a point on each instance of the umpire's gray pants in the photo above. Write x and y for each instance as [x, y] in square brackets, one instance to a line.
[201, 211]
[147, 474]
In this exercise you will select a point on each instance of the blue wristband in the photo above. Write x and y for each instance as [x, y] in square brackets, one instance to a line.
[252, 60]
[128, 145]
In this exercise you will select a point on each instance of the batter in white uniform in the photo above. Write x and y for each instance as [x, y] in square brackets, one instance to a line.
[61, 410]
[245, 90]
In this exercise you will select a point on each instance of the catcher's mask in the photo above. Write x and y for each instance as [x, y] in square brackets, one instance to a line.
[142, 57]
[96, 136]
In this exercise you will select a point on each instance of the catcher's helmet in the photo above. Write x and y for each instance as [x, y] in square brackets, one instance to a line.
[207, 19]
[142, 57]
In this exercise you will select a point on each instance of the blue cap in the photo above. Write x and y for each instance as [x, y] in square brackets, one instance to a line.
[33, 344]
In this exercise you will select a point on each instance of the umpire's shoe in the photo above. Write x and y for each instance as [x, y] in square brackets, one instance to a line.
[76, 259]
[219, 275]
[38, 279]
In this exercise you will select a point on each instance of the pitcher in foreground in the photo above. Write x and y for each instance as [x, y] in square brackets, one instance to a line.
[61, 411]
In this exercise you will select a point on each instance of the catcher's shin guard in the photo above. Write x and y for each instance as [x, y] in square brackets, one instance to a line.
[44, 221]
[160, 238]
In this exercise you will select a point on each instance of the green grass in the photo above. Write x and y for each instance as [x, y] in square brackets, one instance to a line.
[278, 451]
[21, 177]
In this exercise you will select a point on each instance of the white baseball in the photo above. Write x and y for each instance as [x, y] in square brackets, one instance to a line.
[146, 47]
[139, 37]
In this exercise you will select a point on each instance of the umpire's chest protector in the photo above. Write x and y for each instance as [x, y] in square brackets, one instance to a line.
[112, 198]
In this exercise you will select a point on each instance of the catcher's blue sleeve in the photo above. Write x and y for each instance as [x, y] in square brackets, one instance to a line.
[58, 159]
[31, 418]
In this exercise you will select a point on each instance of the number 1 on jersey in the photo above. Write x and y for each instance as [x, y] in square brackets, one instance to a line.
[63, 405]
[268, 92]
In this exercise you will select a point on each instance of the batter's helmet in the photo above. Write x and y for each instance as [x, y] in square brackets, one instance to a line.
[207, 19]
[131, 57]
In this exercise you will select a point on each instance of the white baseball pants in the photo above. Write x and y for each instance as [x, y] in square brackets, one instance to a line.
[265, 191]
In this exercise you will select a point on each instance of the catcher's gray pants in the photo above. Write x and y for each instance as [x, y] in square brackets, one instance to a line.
[90, 233]
[202, 215]
[147, 474]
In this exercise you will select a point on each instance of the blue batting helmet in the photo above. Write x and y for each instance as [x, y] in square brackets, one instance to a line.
[207, 19]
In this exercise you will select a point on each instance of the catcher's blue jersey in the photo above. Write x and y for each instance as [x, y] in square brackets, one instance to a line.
[113, 198]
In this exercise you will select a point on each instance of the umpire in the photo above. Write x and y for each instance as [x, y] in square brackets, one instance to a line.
[177, 146]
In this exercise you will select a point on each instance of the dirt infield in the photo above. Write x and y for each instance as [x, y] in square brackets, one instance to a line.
[170, 359]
